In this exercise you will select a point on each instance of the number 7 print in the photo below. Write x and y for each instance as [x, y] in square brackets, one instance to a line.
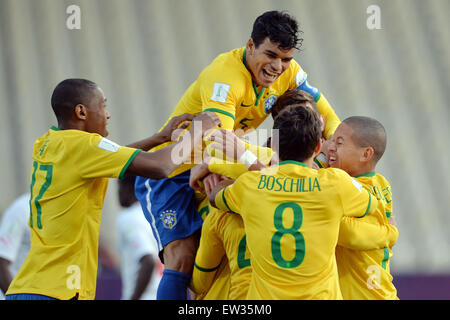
[48, 180]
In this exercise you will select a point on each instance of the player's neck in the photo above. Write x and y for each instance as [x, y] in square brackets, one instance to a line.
[70, 125]
[363, 170]
[309, 162]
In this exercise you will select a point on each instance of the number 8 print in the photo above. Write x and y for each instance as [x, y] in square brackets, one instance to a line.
[282, 230]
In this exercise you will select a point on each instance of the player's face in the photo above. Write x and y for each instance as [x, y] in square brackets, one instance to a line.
[267, 62]
[98, 117]
[343, 153]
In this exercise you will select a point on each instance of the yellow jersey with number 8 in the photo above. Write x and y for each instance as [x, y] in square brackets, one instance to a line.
[291, 215]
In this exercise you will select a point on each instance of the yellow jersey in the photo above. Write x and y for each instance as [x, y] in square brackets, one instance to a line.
[365, 274]
[215, 284]
[291, 215]
[221, 164]
[223, 237]
[209, 283]
[69, 178]
[218, 281]
[226, 88]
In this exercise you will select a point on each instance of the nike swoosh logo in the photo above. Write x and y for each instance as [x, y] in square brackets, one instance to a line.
[246, 105]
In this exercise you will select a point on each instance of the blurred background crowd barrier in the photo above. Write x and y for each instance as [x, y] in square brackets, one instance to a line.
[145, 53]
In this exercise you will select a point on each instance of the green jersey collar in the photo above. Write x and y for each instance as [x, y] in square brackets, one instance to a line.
[293, 162]
[369, 174]
[255, 88]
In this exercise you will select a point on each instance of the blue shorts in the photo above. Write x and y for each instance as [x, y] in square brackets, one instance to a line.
[169, 206]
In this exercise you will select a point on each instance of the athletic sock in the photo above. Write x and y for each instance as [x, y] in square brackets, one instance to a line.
[173, 285]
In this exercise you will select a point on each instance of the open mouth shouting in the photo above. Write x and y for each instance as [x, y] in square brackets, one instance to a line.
[270, 76]
[332, 160]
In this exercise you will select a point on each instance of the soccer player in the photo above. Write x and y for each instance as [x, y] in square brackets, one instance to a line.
[292, 215]
[223, 234]
[223, 238]
[14, 240]
[356, 147]
[69, 177]
[210, 284]
[240, 86]
[141, 269]
[358, 236]
[303, 99]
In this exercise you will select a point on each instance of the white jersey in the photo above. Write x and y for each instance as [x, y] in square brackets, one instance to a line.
[135, 241]
[15, 234]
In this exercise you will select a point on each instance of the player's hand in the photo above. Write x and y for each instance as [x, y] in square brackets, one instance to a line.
[197, 174]
[208, 120]
[393, 221]
[228, 143]
[210, 181]
[175, 127]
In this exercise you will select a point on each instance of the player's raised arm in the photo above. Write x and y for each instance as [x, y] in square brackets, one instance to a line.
[220, 188]
[356, 200]
[331, 119]
[233, 147]
[357, 234]
[161, 163]
[168, 133]
[208, 258]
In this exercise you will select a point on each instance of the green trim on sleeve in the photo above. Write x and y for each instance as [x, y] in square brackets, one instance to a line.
[368, 206]
[318, 163]
[388, 214]
[125, 167]
[221, 111]
[206, 269]
[225, 200]
[385, 258]
[318, 97]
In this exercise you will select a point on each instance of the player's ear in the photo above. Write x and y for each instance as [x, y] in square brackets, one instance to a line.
[250, 46]
[318, 148]
[322, 121]
[80, 112]
[367, 154]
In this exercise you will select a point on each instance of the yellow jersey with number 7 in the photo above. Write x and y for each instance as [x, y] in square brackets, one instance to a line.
[69, 178]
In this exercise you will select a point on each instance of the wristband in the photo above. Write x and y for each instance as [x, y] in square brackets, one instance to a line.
[248, 158]
[322, 159]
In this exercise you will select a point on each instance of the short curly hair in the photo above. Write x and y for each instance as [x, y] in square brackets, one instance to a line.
[299, 131]
[279, 27]
[293, 97]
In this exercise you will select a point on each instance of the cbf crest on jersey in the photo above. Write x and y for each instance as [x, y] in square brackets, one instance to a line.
[269, 102]
[169, 218]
